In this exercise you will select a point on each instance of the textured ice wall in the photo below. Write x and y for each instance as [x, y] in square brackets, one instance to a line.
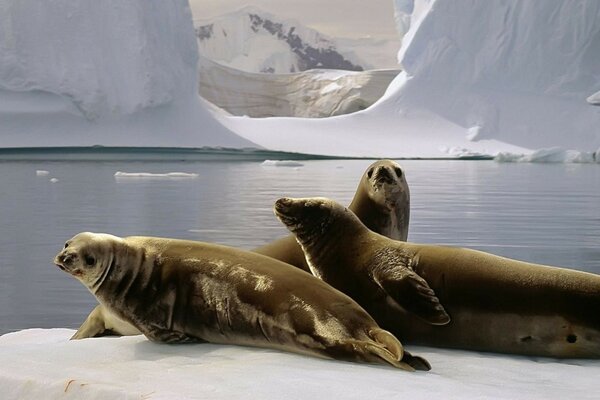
[101, 72]
[516, 71]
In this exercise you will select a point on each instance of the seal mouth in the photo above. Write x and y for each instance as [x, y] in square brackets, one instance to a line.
[283, 211]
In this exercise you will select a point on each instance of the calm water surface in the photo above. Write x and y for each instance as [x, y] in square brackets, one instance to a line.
[547, 214]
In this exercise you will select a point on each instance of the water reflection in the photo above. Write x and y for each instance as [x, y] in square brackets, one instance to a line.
[541, 213]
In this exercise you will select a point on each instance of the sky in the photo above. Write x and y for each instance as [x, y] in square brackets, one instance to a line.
[338, 18]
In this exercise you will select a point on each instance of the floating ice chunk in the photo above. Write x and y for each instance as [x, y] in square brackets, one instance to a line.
[54, 180]
[41, 172]
[281, 163]
[550, 155]
[594, 99]
[143, 175]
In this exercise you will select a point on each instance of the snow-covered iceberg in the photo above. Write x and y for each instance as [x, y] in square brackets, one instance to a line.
[480, 77]
[44, 364]
[114, 73]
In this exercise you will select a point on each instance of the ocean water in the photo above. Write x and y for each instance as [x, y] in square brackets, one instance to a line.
[544, 213]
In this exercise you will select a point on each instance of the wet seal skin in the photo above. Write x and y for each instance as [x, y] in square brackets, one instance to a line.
[177, 291]
[381, 202]
[495, 304]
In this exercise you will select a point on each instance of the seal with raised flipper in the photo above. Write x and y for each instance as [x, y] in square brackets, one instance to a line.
[381, 201]
[496, 304]
[178, 291]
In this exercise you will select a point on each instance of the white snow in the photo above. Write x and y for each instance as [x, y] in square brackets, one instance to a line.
[144, 175]
[53, 180]
[517, 70]
[39, 363]
[41, 172]
[281, 163]
[242, 41]
[82, 73]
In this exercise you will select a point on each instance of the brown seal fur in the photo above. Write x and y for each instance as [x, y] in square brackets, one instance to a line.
[178, 291]
[496, 304]
[381, 202]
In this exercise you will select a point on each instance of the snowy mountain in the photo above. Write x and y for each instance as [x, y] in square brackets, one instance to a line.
[253, 40]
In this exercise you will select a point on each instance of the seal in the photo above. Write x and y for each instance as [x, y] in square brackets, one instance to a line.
[496, 304]
[381, 202]
[177, 291]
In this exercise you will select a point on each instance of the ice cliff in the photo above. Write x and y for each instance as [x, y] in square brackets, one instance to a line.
[315, 93]
[78, 73]
[479, 78]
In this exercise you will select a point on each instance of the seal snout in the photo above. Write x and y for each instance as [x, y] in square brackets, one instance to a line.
[65, 259]
[384, 175]
[283, 204]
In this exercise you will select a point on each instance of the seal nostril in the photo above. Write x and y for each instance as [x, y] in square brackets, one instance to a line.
[571, 338]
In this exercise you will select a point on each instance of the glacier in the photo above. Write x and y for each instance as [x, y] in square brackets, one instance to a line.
[38, 363]
[316, 93]
[108, 73]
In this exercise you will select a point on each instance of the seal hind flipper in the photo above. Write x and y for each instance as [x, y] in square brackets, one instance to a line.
[418, 363]
[411, 292]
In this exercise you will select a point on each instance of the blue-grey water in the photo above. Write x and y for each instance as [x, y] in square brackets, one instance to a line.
[547, 214]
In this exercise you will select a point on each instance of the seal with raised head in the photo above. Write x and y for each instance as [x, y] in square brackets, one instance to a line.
[381, 202]
[178, 291]
[496, 304]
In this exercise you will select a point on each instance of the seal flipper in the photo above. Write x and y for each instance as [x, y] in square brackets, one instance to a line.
[93, 326]
[412, 293]
[418, 363]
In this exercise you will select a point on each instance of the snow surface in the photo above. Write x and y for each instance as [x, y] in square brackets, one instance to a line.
[517, 72]
[66, 79]
[38, 363]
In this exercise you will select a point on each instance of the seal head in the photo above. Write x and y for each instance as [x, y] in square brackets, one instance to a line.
[382, 280]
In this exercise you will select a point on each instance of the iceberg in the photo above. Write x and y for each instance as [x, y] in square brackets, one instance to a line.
[43, 363]
[106, 73]
[485, 77]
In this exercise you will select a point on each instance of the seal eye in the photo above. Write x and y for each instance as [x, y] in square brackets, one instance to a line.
[398, 172]
[370, 173]
[89, 261]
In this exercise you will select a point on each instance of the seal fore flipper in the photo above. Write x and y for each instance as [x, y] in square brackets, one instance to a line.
[411, 292]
